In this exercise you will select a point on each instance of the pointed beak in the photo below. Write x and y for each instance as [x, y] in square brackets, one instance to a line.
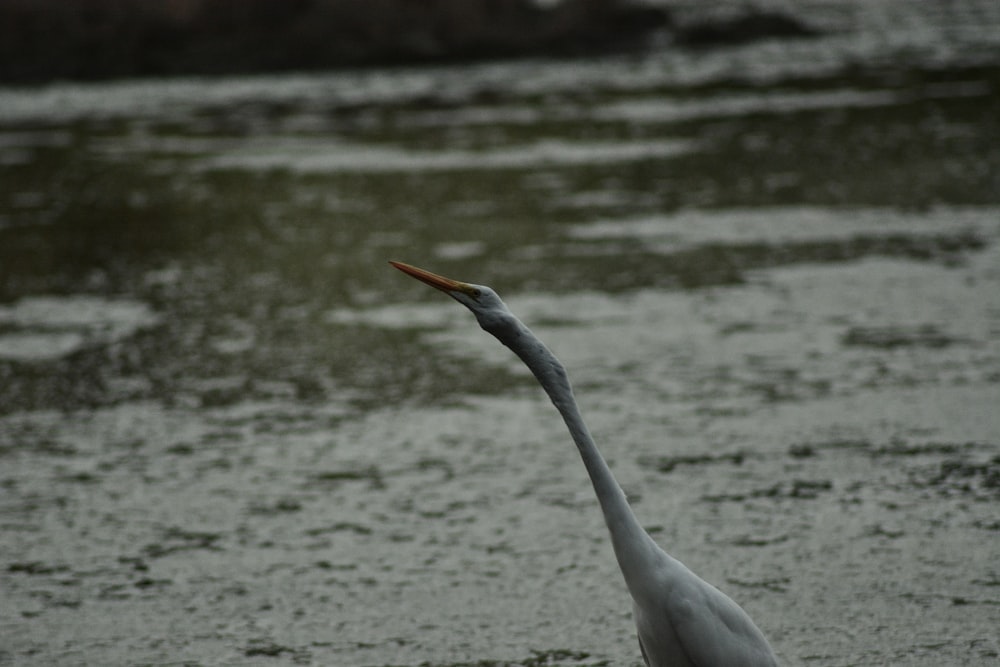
[446, 285]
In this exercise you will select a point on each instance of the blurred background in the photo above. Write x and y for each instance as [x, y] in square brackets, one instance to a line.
[763, 238]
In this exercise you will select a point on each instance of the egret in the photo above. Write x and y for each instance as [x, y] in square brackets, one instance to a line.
[681, 619]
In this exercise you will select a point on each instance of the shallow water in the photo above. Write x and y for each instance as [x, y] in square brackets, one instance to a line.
[230, 433]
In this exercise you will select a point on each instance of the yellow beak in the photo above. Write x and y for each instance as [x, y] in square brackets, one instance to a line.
[434, 280]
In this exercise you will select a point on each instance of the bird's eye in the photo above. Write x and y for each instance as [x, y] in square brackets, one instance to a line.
[476, 293]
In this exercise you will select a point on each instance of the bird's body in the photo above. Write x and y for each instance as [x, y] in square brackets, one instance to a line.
[681, 619]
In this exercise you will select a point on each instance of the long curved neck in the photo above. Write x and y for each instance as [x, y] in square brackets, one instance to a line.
[633, 546]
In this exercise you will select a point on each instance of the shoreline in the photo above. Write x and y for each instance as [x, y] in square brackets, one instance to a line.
[107, 39]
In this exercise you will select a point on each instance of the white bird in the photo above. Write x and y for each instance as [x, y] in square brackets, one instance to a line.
[681, 619]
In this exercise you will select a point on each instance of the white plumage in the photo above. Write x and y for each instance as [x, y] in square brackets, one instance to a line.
[681, 619]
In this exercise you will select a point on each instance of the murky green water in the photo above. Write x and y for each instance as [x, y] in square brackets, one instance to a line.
[231, 434]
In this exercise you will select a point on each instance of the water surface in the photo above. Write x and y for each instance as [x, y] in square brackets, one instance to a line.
[230, 433]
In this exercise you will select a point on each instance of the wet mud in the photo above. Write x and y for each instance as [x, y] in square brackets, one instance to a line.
[230, 433]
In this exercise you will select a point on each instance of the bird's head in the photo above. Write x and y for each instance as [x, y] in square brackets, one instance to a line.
[485, 304]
